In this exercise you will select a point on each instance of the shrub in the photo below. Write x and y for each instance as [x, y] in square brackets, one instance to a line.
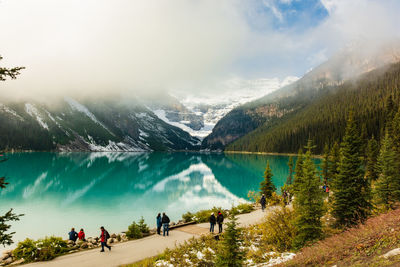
[41, 250]
[254, 196]
[134, 231]
[143, 226]
[27, 250]
[275, 199]
[188, 216]
[278, 229]
[245, 208]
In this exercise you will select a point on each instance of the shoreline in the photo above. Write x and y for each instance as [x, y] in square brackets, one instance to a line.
[267, 153]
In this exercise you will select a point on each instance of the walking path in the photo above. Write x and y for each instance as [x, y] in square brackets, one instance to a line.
[136, 250]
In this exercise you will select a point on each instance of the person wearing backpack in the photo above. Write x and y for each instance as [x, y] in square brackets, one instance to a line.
[104, 236]
[165, 222]
[220, 220]
[159, 224]
[213, 221]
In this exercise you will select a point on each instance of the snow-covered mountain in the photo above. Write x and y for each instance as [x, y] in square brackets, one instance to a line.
[88, 125]
[198, 113]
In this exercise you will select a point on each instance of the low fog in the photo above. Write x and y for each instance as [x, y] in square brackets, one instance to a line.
[102, 47]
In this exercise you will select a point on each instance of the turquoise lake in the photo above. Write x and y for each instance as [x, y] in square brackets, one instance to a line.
[57, 191]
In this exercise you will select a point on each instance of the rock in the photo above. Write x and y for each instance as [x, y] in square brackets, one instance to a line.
[113, 236]
[173, 223]
[70, 242]
[20, 261]
[8, 261]
[84, 245]
[8, 251]
[393, 252]
[4, 257]
[90, 245]
[110, 241]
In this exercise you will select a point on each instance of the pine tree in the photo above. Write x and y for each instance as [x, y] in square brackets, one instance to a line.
[229, 252]
[387, 187]
[325, 164]
[333, 167]
[289, 179]
[371, 167]
[266, 186]
[6, 238]
[351, 190]
[308, 203]
[298, 171]
[396, 134]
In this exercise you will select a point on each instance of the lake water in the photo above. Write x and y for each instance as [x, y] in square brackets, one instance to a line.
[57, 191]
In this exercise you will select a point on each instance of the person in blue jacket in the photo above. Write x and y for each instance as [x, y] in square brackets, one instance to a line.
[159, 224]
[73, 235]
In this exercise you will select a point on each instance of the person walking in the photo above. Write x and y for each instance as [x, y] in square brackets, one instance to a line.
[159, 224]
[220, 220]
[263, 202]
[104, 235]
[81, 235]
[165, 222]
[213, 221]
[73, 235]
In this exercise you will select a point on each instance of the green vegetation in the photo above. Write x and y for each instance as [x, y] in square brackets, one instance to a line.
[266, 186]
[320, 114]
[40, 250]
[351, 203]
[230, 253]
[136, 230]
[308, 203]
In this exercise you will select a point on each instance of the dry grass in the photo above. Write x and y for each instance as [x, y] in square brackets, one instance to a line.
[358, 246]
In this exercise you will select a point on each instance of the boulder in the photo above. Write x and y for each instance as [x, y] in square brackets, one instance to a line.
[84, 245]
[70, 242]
[7, 261]
[393, 252]
[20, 261]
[4, 257]
[110, 241]
[90, 245]
[113, 236]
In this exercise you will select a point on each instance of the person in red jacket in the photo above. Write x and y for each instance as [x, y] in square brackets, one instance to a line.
[103, 239]
[81, 235]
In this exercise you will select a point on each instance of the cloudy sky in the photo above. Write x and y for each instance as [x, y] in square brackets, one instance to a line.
[97, 46]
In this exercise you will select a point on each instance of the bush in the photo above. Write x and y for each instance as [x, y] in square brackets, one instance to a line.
[244, 208]
[278, 229]
[27, 250]
[134, 231]
[188, 217]
[254, 196]
[143, 226]
[275, 199]
[40, 250]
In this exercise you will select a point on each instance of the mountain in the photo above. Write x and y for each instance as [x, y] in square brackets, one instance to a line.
[87, 125]
[198, 112]
[274, 109]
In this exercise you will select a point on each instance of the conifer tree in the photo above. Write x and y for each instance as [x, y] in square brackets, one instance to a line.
[371, 167]
[266, 186]
[298, 171]
[387, 187]
[351, 190]
[308, 203]
[6, 238]
[229, 252]
[325, 164]
[289, 179]
[396, 134]
[333, 167]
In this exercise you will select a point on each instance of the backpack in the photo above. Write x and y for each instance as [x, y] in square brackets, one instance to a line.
[107, 235]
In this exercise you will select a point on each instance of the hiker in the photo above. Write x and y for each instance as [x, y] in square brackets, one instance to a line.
[103, 239]
[73, 235]
[159, 224]
[220, 220]
[81, 235]
[263, 202]
[213, 221]
[165, 222]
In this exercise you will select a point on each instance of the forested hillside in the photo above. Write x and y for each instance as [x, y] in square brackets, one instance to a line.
[373, 97]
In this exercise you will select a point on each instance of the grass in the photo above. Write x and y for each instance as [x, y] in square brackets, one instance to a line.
[359, 246]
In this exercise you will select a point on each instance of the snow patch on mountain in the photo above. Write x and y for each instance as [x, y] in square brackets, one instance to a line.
[75, 105]
[213, 106]
[9, 110]
[34, 112]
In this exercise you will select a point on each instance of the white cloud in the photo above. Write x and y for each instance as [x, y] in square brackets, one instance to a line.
[127, 46]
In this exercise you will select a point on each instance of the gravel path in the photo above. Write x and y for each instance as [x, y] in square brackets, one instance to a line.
[132, 251]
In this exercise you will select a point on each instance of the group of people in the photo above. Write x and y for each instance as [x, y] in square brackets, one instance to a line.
[214, 220]
[104, 236]
[164, 222]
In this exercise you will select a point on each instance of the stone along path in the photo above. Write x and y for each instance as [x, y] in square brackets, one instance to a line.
[136, 250]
